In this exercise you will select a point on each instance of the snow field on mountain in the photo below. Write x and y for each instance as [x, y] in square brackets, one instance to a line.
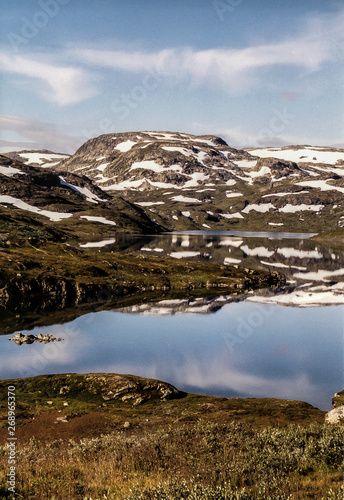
[42, 157]
[101, 220]
[125, 146]
[304, 155]
[91, 197]
[53, 216]
[10, 171]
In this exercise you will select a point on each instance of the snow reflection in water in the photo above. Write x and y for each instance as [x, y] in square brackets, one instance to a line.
[250, 345]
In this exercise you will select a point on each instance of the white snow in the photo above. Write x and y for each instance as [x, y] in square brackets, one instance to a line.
[42, 157]
[205, 141]
[184, 199]
[182, 255]
[275, 223]
[230, 182]
[187, 152]
[166, 136]
[103, 166]
[53, 216]
[100, 158]
[284, 194]
[257, 251]
[306, 154]
[10, 171]
[298, 208]
[102, 220]
[174, 217]
[302, 254]
[196, 177]
[149, 203]
[322, 185]
[320, 275]
[152, 165]
[245, 163]
[262, 171]
[98, 244]
[233, 242]
[225, 154]
[301, 298]
[134, 184]
[186, 214]
[231, 194]
[147, 249]
[125, 146]
[229, 260]
[237, 215]
[206, 225]
[263, 207]
[274, 264]
[91, 197]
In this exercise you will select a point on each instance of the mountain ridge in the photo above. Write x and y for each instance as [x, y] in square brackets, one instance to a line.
[181, 181]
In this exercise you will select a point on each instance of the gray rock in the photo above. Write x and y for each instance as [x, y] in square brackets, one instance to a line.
[334, 416]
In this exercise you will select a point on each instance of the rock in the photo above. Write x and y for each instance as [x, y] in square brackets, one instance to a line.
[334, 416]
[126, 425]
[64, 389]
[20, 339]
[63, 419]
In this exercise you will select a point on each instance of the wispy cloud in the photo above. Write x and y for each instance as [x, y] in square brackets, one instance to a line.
[235, 68]
[62, 85]
[41, 135]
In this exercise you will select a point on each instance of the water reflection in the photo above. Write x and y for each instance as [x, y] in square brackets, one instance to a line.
[250, 346]
[314, 272]
[244, 349]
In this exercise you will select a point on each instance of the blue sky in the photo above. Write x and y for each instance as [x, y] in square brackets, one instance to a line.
[255, 72]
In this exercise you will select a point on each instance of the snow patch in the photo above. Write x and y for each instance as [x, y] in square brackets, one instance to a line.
[299, 208]
[10, 171]
[98, 244]
[257, 251]
[184, 199]
[263, 207]
[101, 220]
[53, 216]
[91, 197]
[125, 146]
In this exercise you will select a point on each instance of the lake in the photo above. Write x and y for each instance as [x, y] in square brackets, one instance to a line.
[283, 343]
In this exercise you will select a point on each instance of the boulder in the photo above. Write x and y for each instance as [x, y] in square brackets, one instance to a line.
[334, 416]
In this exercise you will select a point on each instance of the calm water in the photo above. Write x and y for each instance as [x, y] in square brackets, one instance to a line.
[278, 343]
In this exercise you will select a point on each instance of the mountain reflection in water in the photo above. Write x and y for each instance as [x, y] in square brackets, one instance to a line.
[250, 346]
[315, 273]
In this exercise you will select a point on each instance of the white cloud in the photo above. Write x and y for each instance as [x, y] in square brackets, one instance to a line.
[63, 85]
[42, 135]
[235, 68]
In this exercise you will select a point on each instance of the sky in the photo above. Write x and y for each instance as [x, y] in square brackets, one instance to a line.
[254, 72]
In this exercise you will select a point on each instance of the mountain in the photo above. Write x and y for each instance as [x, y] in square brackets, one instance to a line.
[184, 181]
[40, 158]
[39, 203]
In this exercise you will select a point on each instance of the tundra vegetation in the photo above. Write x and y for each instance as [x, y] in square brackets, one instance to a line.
[99, 436]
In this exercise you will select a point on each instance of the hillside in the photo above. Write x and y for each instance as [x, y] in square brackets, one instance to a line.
[199, 182]
[41, 204]
[148, 181]
[101, 435]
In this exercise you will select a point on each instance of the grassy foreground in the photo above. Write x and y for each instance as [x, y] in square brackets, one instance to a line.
[188, 447]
